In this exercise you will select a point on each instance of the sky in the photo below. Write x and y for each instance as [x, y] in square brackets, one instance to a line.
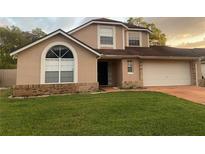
[185, 32]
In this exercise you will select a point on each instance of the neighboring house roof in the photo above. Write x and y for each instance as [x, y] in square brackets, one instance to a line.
[59, 31]
[200, 51]
[153, 51]
[111, 22]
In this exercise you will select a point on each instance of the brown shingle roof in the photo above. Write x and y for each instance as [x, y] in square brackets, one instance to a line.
[153, 51]
[111, 21]
[126, 24]
[200, 51]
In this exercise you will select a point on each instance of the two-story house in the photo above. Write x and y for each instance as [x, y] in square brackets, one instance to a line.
[101, 52]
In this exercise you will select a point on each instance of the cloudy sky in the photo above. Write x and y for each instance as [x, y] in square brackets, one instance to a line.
[180, 31]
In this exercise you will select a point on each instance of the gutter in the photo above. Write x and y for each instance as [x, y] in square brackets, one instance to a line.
[147, 57]
[118, 56]
[169, 57]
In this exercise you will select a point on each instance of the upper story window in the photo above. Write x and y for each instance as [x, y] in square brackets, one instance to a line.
[106, 36]
[134, 39]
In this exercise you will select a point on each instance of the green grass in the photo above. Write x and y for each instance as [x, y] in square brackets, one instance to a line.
[122, 113]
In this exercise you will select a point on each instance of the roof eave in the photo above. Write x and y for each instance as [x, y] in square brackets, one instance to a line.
[170, 57]
[118, 56]
[109, 23]
[149, 57]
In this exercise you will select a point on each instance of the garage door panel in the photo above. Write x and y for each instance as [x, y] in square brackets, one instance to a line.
[158, 73]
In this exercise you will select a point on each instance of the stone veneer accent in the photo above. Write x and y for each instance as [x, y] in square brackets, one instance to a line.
[140, 70]
[202, 82]
[193, 73]
[49, 89]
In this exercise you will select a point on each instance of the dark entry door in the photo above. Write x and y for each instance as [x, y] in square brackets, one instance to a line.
[103, 73]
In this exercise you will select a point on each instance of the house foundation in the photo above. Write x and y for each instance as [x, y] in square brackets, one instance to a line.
[49, 89]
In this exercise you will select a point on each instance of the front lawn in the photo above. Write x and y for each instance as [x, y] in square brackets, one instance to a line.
[122, 113]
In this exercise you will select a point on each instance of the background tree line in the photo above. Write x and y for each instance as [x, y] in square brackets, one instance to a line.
[12, 38]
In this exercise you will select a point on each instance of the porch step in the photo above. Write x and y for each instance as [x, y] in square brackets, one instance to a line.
[108, 88]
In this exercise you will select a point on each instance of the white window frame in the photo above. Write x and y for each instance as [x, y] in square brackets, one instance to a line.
[140, 39]
[59, 70]
[43, 59]
[130, 63]
[99, 27]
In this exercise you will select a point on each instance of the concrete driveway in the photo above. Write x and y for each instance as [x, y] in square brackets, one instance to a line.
[192, 93]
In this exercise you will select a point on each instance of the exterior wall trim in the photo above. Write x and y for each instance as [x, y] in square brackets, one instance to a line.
[140, 39]
[123, 38]
[127, 40]
[43, 55]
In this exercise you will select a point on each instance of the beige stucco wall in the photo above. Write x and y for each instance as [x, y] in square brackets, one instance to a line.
[116, 72]
[119, 72]
[145, 39]
[29, 62]
[119, 37]
[87, 35]
[130, 77]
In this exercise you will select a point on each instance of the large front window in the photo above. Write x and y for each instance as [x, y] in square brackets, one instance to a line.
[59, 65]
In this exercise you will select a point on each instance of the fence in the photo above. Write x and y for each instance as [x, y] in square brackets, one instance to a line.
[7, 77]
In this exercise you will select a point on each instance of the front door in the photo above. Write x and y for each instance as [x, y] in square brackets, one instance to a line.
[103, 73]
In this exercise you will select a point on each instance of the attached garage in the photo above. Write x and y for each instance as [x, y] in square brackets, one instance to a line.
[166, 73]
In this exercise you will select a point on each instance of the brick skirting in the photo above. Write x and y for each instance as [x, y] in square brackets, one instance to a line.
[49, 89]
[131, 84]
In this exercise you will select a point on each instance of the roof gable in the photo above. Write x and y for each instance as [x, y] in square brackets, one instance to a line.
[59, 31]
[109, 22]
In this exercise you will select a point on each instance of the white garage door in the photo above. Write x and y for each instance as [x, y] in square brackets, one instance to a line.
[166, 73]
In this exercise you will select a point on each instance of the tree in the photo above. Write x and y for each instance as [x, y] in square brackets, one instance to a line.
[12, 38]
[38, 33]
[156, 37]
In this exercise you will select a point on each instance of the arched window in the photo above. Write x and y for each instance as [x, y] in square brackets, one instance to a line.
[59, 65]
